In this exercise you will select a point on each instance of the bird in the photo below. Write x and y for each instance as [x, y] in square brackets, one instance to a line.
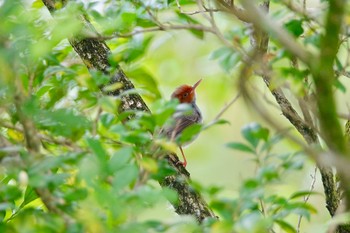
[185, 94]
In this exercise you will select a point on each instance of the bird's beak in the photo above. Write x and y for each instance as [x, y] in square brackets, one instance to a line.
[196, 84]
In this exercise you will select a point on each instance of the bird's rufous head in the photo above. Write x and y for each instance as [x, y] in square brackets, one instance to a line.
[186, 93]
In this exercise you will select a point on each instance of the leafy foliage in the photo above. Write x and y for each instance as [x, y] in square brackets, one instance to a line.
[257, 209]
[70, 162]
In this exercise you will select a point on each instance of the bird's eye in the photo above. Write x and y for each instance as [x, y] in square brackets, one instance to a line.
[185, 94]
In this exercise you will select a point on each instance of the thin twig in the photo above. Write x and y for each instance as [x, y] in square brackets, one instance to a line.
[163, 27]
[307, 197]
[223, 110]
[218, 33]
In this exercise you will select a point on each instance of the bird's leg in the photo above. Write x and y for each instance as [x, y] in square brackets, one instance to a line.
[184, 163]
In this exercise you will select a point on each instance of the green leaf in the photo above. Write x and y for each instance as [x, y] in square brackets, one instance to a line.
[295, 27]
[163, 110]
[61, 122]
[29, 196]
[188, 19]
[240, 146]
[303, 194]
[76, 194]
[296, 74]
[268, 173]
[271, 142]
[340, 86]
[97, 148]
[170, 195]
[135, 49]
[301, 208]
[314, 39]
[121, 158]
[145, 80]
[125, 176]
[253, 133]
[286, 226]
[227, 57]
[189, 133]
[10, 193]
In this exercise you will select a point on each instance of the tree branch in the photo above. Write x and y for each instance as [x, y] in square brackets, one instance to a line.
[95, 54]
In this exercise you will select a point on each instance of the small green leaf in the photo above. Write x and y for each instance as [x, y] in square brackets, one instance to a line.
[10, 193]
[125, 176]
[97, 148]
[121, 158]
[188, 19]
[340, 86]
[240, 146]
[253, 133]
[29, 196]
[286, 226]
[295, 27]
[189, 133]
[228, 58]
[76, 194]
[302, 194]
[170, 195]
[144, 79]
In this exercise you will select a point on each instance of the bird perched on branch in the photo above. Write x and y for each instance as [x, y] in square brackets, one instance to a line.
[182, 119]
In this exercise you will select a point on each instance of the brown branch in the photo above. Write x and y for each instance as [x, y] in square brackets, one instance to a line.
[95, 54]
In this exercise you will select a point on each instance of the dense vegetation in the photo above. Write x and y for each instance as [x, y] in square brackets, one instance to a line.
[80, 150]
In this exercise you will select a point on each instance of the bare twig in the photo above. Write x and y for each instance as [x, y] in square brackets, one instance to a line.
[223, 110]
[307, 197]
[230, 44]
[162, 27]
